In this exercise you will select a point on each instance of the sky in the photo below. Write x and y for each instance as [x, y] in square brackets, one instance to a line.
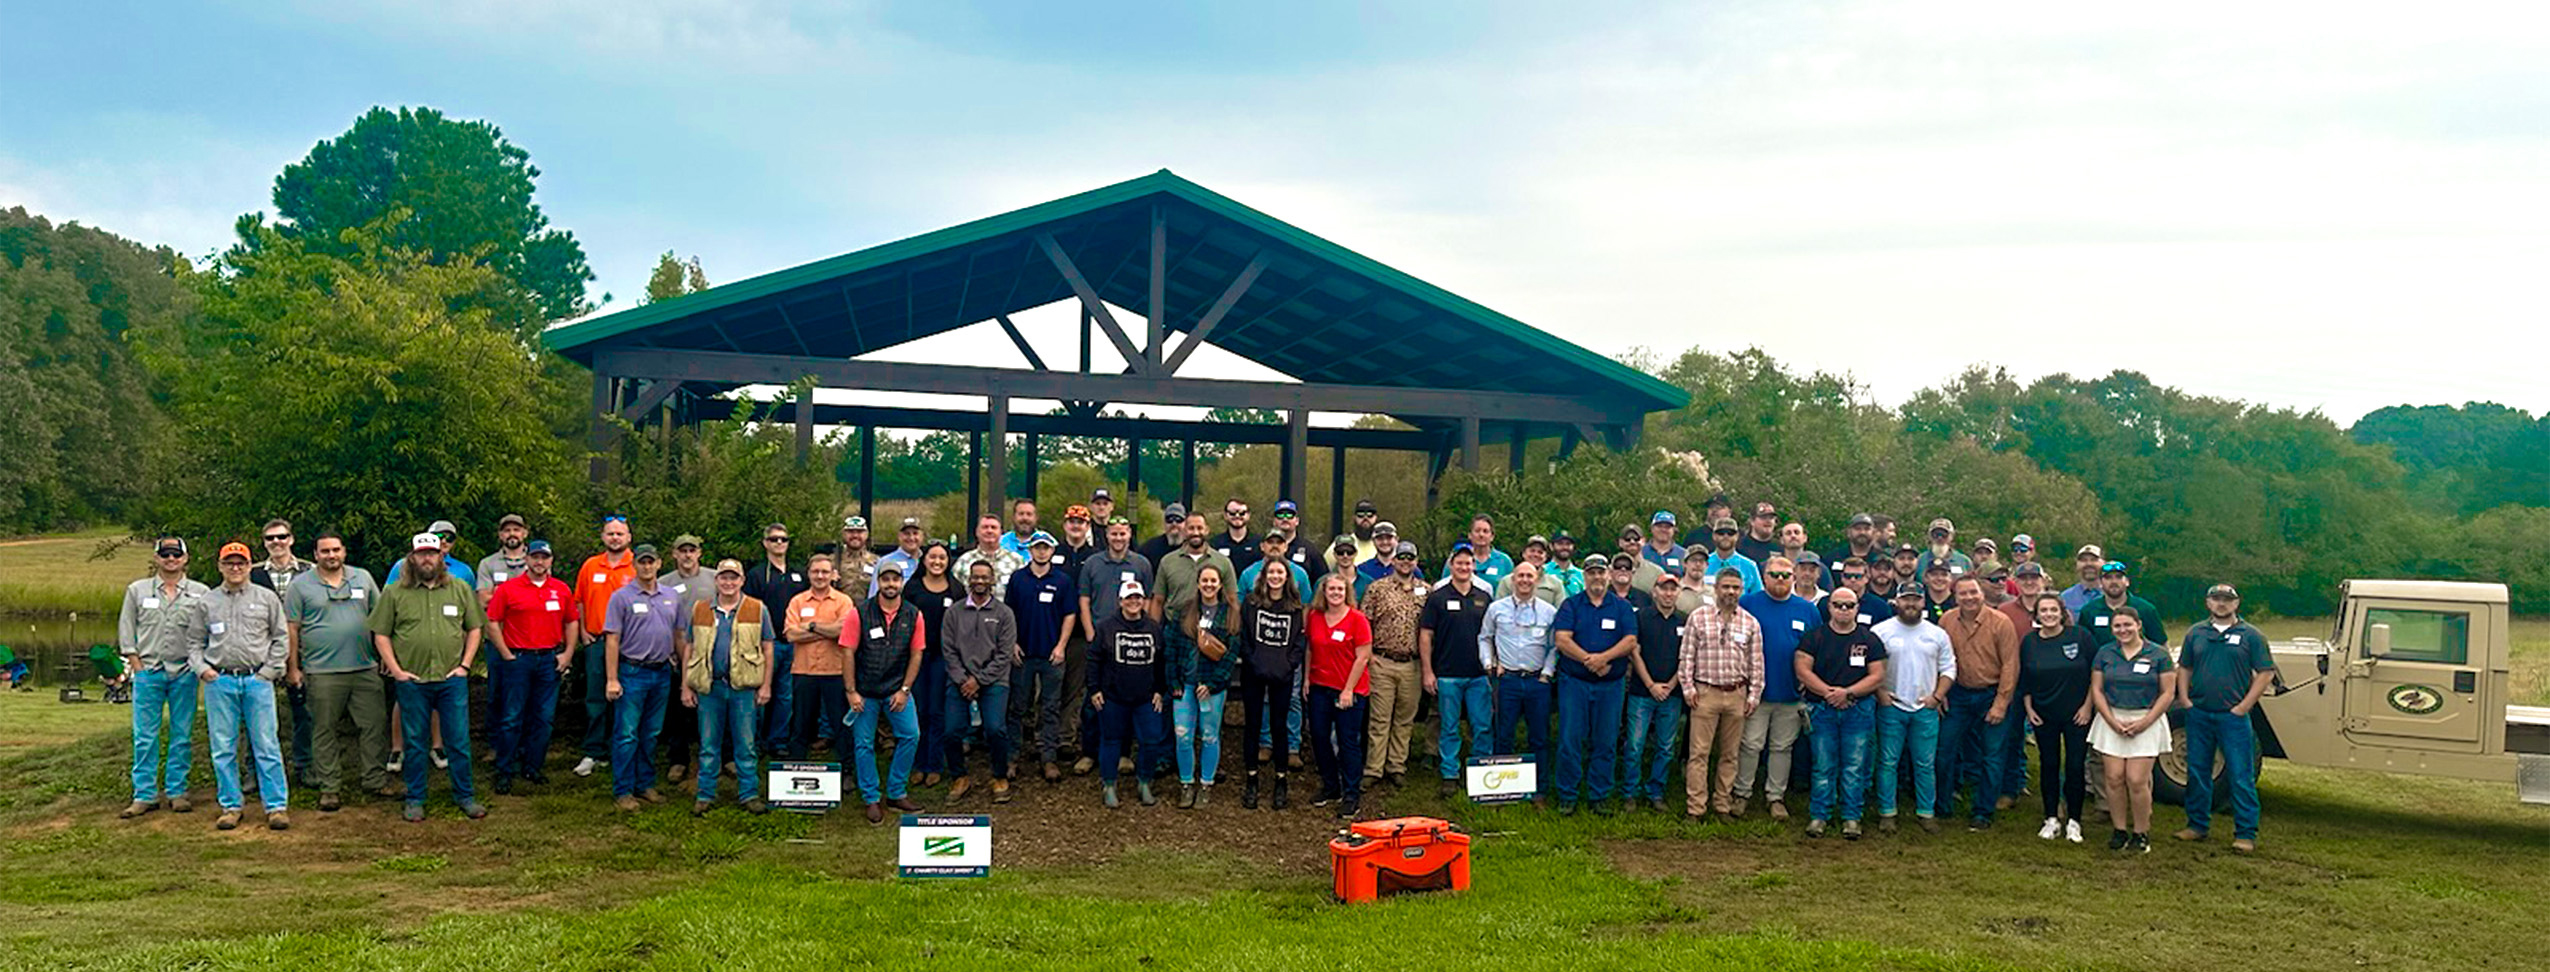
[2331, 205]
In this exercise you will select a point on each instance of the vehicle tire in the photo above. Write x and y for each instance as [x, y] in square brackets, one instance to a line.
[2169, 773]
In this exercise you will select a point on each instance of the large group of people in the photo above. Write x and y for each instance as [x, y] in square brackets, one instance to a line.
[1907, 673]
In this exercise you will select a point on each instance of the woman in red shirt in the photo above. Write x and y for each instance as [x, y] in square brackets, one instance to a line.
[1340, 654]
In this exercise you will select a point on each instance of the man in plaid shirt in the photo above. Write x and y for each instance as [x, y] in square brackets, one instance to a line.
[1721, 680]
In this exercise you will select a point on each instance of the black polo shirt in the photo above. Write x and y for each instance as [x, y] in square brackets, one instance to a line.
[1841, 660]
[1455, 618]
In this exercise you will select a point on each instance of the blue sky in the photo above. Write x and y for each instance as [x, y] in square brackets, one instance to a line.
[2325, 205]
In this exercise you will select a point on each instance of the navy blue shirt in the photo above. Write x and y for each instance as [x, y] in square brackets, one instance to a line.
[1596, 628]
[1041, 604]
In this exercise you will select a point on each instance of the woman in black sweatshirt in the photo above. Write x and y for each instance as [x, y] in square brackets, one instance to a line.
[1272, 640]
[1128, 682]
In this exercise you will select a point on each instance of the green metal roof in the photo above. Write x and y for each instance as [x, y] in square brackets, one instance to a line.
[1320, 312]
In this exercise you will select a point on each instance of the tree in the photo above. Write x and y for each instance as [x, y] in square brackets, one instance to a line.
[674, 277]
[83, 428]
[724, 481]
[471, 192]
[347, 392]
[2465, 459]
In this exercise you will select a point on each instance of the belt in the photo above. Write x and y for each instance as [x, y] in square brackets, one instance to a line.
[551, 650]
[235, 672]
[662, 666]
[1724, 687]
[1409, 657]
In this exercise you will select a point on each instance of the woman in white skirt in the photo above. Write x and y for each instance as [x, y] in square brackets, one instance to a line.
[2131, 686]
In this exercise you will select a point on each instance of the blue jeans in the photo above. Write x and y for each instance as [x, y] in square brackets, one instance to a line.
[1122, 723]
[726, 719]
[1588, 713]
[1652, 725]
[959, 715]
[929, 694]
[1337, 740]
[2207, 732]
[1524, 699]
[1198, 733]
[233, 703]
[1970, 748]
[905, 724]
[597, 704]
[1456, 699]
[1292, 720]
[418, 704]
[1841, 750]
[1901, 734]
[526, 697]
[778, 719]
[163, 704]
[640, 718]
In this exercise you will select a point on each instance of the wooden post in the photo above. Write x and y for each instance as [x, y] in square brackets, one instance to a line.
[973, 483]
[868, 475]
[1515, 440]
[1296, 454]
[805, 422]
[1032, 465]
[1470, 443]
[1132, 474]
[1186, 474]
[998, 446]
[1336, 490]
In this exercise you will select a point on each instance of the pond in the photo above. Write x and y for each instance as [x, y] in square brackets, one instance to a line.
[50, 644]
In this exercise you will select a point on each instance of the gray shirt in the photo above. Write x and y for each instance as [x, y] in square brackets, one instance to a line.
[156, 630]
[694, 587]
[979, 640]
[243, 629]
[1100, 578]
[334, 635]
[496, 568]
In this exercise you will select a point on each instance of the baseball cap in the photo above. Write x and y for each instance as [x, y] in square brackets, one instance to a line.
[1365, 506]
[442, 526]
[1863, 519]
[685, 540]
[1906, 548]
[1075, 512]
[1809, 557]
[536, 548]
[1385, 528]
[885, 567]
[1101, 493]
[1287, 508]
[1722, 523]
[849, 523]
[241, 550]
[2114, 567]
[1909, 592]
[911, 523]
[1942, 523]
[424, 541]
[731, 566]
[1986, 543]
[2090, 551]
[1596, 562]
[1631, 532]
[176, 544]
[1041, 538]
[1562, 535]
[1174, 513]
[1462, 546]
[1536, 541]
[1405, 551]
[1662, 516]
[2223, 590]
[2022, 542]
[511, 519]
[1344, 541]
[1130, 588]
[2029, 569]
[644, 551]
[1939, 566]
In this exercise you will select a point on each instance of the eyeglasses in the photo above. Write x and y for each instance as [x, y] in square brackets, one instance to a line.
[278, 537]
[774, 539]
[1723, 533]
[1365, 513]
[1778, 574]
[1855, 575]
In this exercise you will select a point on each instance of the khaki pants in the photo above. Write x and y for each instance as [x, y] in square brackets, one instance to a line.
[1397, 687]
[1717, 733]
[1773, 726]
[334, 699]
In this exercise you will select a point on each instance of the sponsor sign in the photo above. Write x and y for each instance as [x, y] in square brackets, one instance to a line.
[805, 787]
[1503, 779]
[944, 846]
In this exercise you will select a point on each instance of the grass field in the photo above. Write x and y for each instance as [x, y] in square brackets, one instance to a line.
[2357, 870]
[60, 573]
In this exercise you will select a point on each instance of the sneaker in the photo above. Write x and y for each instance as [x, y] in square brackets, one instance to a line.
[414, 813]
[2117, 839]
[1850, 830]
[2005, 803]
[627, 804]
[1978, 825]
[1000, 791]
[1203, 795]
[330, 803]
[1447, 789]
[228, 820]
[537, 778]
[1186, 796]
[137, 808]
[1602, 808]
[2072, 831]
[676, 772]
[1779, 810]
[2244, 845]
[1815, 828]
[441, 761]
[1567, 808]
[1283, 795]
[1658, 805]
[1142, 789]
[2190, 834]
[1107, 796]
[278, 820]
[651, 795]
[1392, 779]
[398, 762]
[1886, 824]
[584, 767]
[1324, 798]
[1348, 807]
[2142, 843]
[2052, 829]
[504, 785]
[756, 806]
[1929, 825]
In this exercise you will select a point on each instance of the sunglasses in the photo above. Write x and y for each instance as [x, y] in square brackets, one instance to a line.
[615, 518]
[2112, 567]
[774, 539]
[1365, 513]
[1723, 533]
[172, 554]
[1778, 574]
[275, 537]
[1858, 575]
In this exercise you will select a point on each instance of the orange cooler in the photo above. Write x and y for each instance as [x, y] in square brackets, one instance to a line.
[1402, 854]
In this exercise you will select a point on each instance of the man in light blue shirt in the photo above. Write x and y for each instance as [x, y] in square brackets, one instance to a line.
[1723, 534]
[1520, 650]
[1022, 528]
[1660, 549]
[1492, 564]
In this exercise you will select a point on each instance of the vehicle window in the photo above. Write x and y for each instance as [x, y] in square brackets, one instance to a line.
[2425, 636]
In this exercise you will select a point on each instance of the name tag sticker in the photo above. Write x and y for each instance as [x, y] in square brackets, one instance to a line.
[356, 594]
[2234, 639]
[1609, 623]
[876, 632]
[2100, 621]
[552, 607]
[677, 588]
[218, 627]
[805, 612]
[1863, 619]
[637, 608]
[1954, 570]
[796, 578]
[1796, 624]
[601, 578]
[1673, 563]
[1859, 658]
[2142, 668]
[1204, 622]
[1044, 597]
[1337, 634]
[1451, 605]
[451, 610]
[150, 604]
[500, 577]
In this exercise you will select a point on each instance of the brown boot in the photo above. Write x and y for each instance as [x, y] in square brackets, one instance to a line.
[278, 820]
[137, 808]
[957, 790]
[1000, 791]
[1053, 773]
[228, 820]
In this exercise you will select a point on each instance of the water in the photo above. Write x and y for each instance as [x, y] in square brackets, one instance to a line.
[47, 644]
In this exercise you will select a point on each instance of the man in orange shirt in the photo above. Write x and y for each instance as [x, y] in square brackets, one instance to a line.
[814, 624]
[601, 576]
[1978, 720]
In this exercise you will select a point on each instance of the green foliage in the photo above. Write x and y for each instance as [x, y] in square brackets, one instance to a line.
[348, 392]
[470, 190]
[1394, 481]
[674, 277]
[1591, 494]
[2467, 459]
[724, 481]
[2505, 544]
[83, 427]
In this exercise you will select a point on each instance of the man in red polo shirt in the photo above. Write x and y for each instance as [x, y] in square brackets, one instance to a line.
[531, 621]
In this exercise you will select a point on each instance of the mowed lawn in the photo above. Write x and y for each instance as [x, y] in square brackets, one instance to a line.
[2357, 871]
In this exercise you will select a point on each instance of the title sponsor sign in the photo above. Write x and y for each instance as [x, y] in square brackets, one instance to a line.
[944, 846]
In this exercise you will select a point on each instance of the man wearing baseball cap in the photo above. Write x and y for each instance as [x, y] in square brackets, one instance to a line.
[1724, 556]
[2085, 565]
[2116, 590]
[695, 583]
[1367, 521]
[1385, 537]
[1393, 606]
[240, 656]
[1102, 505]
[724, 649]
[854, 565]
[1859, 539]
[906, 552]
[1297, 551]
[427, 629]
[1153, 549]
[449, 535]
[1660, 549]
[1044, 599]
[509, 560]
[153, 634]
[642, 631]
[531, 619]
[1943, 548]
[2224, 666]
